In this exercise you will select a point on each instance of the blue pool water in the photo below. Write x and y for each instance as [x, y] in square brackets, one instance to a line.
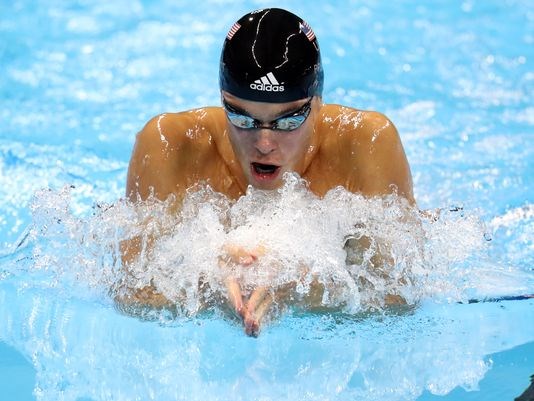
[79, 79]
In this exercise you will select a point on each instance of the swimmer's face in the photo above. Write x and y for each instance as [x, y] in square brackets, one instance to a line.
[264, 153]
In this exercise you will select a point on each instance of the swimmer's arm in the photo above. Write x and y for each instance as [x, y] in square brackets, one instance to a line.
[381, 261]
[252, 310]
[256, 308]
[382, 169]
[152, 171]
[127, 297]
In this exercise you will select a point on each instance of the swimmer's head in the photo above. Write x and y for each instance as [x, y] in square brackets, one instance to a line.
[271, 55]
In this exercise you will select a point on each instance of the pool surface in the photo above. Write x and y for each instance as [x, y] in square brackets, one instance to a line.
[79, 79]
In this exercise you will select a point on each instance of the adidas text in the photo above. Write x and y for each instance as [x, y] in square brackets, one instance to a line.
[267, 88]
[267, 83]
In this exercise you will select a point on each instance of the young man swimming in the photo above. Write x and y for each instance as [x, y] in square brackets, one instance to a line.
[272, 121]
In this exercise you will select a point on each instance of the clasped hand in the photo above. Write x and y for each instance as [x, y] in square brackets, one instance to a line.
[253, 309]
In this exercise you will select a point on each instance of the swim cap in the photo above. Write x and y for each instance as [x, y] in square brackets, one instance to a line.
[271, 55]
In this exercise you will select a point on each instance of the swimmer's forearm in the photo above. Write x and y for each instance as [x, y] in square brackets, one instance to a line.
[130, 250]
[393, 299]
[356, 249]
[253, 318]
[143, 297]
[234, 295]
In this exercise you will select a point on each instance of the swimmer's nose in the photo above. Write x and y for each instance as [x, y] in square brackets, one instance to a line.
[265, 141]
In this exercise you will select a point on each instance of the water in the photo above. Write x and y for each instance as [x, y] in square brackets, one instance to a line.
[78, 80]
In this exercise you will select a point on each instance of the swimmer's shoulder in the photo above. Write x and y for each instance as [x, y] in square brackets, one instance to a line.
[372, 151]
[176, 129]
[359, 127]
[174, 151]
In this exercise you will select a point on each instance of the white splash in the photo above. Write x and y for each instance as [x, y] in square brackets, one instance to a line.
[391, 249]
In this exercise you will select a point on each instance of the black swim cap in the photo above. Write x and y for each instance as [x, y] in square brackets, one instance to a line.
[271, 55]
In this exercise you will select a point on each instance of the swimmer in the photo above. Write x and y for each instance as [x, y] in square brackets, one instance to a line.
[272, 121]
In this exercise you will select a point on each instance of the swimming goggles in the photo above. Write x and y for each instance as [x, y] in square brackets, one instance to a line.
[289, 122]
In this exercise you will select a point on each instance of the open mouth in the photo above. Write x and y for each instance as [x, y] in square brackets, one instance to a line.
[265, 170]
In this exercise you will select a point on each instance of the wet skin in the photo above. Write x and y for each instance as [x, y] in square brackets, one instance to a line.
[335, 146]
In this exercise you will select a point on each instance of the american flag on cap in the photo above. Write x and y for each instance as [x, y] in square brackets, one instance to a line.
[232, 31]
[306, 30]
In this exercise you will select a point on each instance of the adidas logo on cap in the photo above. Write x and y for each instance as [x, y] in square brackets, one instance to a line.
[267, 83]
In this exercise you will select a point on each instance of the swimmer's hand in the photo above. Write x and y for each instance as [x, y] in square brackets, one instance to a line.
[241, 256]
[254, 309]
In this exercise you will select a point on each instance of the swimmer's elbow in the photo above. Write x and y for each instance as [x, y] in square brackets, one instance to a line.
[394, 300]
[135, 301]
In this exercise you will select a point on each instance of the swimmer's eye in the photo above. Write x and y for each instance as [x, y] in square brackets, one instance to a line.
[240, 120]
[287, 123]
